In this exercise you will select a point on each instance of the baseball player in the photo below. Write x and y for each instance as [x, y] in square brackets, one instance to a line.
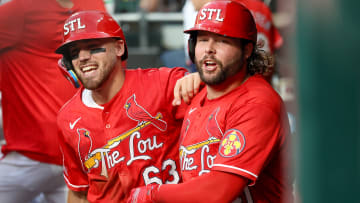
[33, 90]
[234, 136]
[120, 130]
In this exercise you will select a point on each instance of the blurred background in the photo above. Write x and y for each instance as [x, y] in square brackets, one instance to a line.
[152, 31]
[316, 72]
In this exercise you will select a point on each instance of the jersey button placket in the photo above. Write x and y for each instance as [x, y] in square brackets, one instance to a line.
[106, 118]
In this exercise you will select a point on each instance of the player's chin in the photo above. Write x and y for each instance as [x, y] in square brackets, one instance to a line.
[212, 79]
[91, 84]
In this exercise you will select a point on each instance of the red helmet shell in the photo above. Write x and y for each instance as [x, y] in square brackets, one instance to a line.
[90, 25]
[227, 18]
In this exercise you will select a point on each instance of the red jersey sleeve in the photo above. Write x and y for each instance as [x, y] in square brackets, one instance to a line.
[11, 23]
[169, 77]
[277, 38]
[202, 189]
[251, 138]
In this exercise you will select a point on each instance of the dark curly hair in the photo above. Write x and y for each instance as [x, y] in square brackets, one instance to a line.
[259, 61]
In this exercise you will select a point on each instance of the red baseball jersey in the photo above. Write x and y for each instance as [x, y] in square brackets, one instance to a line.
[264, 24]
[131, 141]
[243, 132]
[33, 89]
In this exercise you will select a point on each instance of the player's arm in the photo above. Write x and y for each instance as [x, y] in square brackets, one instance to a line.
[215, 186]
[186, 88]
[77, 197]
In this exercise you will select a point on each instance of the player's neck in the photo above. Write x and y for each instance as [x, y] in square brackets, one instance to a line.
[216, 91]
[111, 87]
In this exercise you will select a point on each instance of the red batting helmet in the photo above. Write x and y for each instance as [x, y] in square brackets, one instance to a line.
[227, 18]
[90, 25]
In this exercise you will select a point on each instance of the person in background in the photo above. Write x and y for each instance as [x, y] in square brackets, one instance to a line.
[120, 130]
[160, 5]
[149, 5]
[33, 90]
[269, 37]
[235, 135]
[177, 57]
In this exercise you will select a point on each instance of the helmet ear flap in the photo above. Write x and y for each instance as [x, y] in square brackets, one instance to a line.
[191, 46]
[67, 70]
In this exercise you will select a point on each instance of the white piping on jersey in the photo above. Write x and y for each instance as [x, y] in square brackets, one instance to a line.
[236, 168]
[74, 186]
[88, 100]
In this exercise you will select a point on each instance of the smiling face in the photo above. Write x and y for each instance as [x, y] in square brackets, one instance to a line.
[94, 60]
[217, 57]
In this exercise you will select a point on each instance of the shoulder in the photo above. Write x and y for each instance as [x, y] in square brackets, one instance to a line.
[160, 70]
[257, 91]
[73, 103]
[255, 103]
[156, 74]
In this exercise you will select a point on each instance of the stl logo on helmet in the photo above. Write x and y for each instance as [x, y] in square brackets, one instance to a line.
[72, 25]
[209, 13]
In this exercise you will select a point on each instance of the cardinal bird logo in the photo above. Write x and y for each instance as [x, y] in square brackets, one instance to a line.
[212, 126]
[84, 145]
[139, 114]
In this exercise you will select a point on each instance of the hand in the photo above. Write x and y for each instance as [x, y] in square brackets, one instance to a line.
[186, 88]
[143, 194]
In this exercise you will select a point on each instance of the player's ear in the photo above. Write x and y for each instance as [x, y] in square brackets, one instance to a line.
[248, 48]
[119, 47]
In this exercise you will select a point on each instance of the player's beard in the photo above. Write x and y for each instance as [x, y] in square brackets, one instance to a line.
[222, 72]
[104, 72]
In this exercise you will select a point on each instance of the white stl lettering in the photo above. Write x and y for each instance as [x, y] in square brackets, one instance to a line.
[209, 14]
[72, 26]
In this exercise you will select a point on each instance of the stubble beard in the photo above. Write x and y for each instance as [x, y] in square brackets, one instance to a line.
[222, 72]
[95, 83]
